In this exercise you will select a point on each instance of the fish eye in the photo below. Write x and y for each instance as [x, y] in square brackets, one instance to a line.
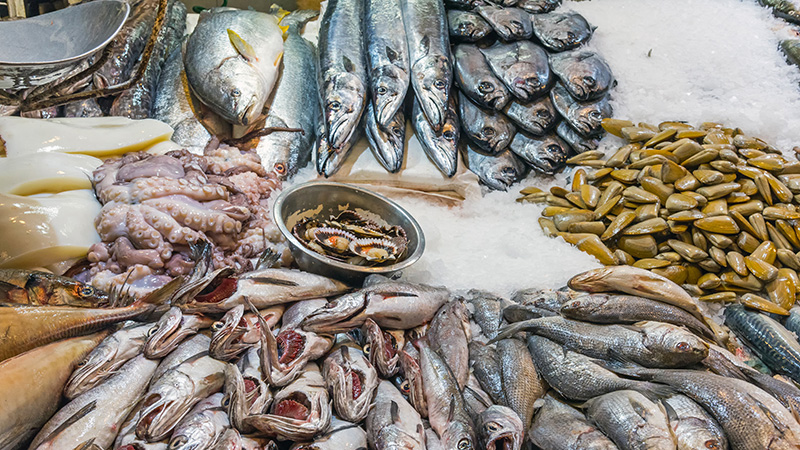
[226, 401]
[83, 362]
[683, 346]
[405, 387]
[575, 304]
[177, 441]
[589, 81]
[152, 331]
[280, 168]
[488, 132]
[543, 113]
[439, 84]
[367, 349]
[236, 92]
[595, 115]
[397, 131]
[534, 81]
[334, 106]
[492, 426]
[87, 291]
[464, 444]
[216, 326]
[485, 87]
[382, 90]
[510, 171]
[571, 36]
[449, 134]
[712, 444]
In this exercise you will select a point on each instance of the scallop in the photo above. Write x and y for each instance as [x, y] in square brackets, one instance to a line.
[333, 238]
[375, 250]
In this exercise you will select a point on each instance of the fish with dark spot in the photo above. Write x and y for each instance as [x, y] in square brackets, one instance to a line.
[441, 147]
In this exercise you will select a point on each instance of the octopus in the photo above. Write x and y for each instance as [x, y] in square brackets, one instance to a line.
[156, 207]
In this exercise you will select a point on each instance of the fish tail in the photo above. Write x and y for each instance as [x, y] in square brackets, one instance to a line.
[295, 21]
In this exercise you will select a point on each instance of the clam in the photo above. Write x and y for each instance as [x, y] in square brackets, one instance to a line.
[375, 250]
[332, 238]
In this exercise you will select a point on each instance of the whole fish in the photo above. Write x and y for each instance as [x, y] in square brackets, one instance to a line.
[24, 410]
[545, 299]
[558, 426]
[383, 348]
[98, 413]
[245, 396]
[486, 311]
[171, 396]
[466, 26]
[388, 66]
[106, 359]
[388, 144]
[487, 369]
[446, 409]
[476, 80]
[449, 335]
[499, 428]
[578, 377]
[202, 427]
[651, 344]
[585, 117]
[284, 357]
[232, 61]
[692, 426]
[511, 24]
[785, 391]
[391, 304]
[393, 423]
[631, 420]
[521, 382]
[171, 329]
[343, 70]
[616, 308]
[561, 31]
[522, 66]
[127, 45]
[27, 327]
[776, 346]
[547, 154]
[750, 417]
[43, 288]
[190, 348]
[538, 6]
[537, 117]
[341, 435]
[352, 382]
[584, 73]
[413, 386]
[429, 54]
[301, 410]
[295, 103]
[441, 147]
[237, 332]
[578, 143]
[491, 131]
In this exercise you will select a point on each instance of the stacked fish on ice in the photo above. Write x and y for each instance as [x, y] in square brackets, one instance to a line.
[520, 69]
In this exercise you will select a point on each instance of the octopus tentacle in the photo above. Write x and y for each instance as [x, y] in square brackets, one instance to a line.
[155, 187]
[173, 231]
[193, 214]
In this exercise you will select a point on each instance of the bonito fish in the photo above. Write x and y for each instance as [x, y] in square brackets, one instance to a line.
[387, 59]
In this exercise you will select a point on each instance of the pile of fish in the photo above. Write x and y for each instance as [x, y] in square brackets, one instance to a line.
[215, 362]
[528, 88]
[708, 207]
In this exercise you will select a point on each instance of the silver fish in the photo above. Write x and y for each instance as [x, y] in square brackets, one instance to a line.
[631, 420]
[171, 329]
[538, 6]
[449, 335]
[171, 396]
[547, 154]
[498, 171]
[202, 427]
[578, 143]
[284, 357]
[352, 381]
[244, 396]
[561, 31]
[127, 440]
[476, 80]
[585, 117]
[491, 131]
[388, 143]
[440, 147]
[383, 348]
[558, 426]
[537, 117]
[191, 347]
[98, 413]
[413, 386]
[295, 103]
[328, 159]
[511, 24]
[106, 359]
[486, 311]
[466, 25]
[237, 332]
[429, 54]
[584, 73]
[232, 60]
[301, 410]
[341, 435]
[387, 59]
[692, 426]
[393, 423]
[343, 69]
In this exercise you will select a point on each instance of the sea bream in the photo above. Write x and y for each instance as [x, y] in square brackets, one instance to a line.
[232, 62]
[393, 423]
[387, 59]
[631, 420]
[429, 51]
[558, 426]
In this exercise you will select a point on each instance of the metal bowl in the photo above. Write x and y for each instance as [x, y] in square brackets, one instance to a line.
[323, 199]
[41, 49]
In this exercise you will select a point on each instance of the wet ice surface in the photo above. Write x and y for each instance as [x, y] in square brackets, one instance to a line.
[674, 60]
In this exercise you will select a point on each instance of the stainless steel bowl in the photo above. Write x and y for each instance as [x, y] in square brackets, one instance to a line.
[41, 49]
[322, 199]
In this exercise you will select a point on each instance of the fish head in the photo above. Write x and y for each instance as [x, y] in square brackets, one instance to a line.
[227, 333]
[389, 87]
[459, 436]
[551, 155]
[412, 385]
[501, 176]
[592, 280]
[92, 370]
[432, 80]
[352, 380]
[325, 318]
[343, 104]
[500, 428]
[527, 80]
[236, 92]
[588, 118]
[165, 334]
[168, 400]
[395, 438]
[275, 150]
[294, 348]
[493, 92]
[665, 338]
[382, 347]
[584, 305]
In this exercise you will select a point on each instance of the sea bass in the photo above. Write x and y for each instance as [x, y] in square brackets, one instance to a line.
[558, 426]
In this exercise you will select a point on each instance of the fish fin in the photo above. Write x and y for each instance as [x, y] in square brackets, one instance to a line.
[670, 412]
[452, 412]
[345, 350]
[165, 294]
[242, 47]
[392, 54]
[79, 414]
[268, 258]
[394, 410]
[348, 65]
[425, 43]
[390, 294]
[780, 426]
[278, 59]
[640, 410]
[477, 396]
[653, 391]
[270, 280]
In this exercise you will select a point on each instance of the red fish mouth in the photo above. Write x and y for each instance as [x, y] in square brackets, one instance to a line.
[358, 384]
[296, 407]
[217, 290]
[290, 345]
[145, 421]
[389, 346]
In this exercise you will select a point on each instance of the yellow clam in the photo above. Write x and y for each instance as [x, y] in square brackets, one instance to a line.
[646, 212]
[709, 281]
[676, 274]
[747, 242]
[650, 226]
[748, 208]
[762, 304]
[638, 195]
[579, 179]
[688, 251]
[718, 255]
[702, 157]
[761, 269]
[718, 224]
[687, 183]
[637, 134]
[766, 252]
[651, 263]
[736, 263]
[724, 297]
[590, 195]
[788, 258]
[672, 172]
[615, 126]
[587, 227]
[641, 246]
[717, 207]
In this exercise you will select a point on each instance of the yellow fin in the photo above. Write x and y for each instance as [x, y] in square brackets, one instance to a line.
[279, 14]
[241, 46]
[278, 59]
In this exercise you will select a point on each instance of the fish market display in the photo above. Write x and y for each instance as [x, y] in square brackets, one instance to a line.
[708, 207]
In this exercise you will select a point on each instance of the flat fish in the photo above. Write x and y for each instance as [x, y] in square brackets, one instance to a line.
[547, 154]
[584, 73]
[491, 131]
[473, 75]
[561, 31]
[585, 117]
[511, 24]
[522, 66]
[537, 117]
[466, 26]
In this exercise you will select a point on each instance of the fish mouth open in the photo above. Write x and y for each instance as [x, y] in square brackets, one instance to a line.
[153, 424]
[504, 441]
[340, 130]
[291, 345]
[295, 406]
